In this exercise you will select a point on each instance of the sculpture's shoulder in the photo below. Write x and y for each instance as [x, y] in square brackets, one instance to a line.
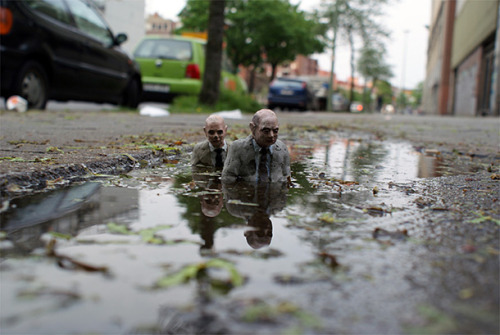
[241, 144]
[200, 146]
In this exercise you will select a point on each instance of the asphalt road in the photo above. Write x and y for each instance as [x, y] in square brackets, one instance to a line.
[75, 133]
[452, 220]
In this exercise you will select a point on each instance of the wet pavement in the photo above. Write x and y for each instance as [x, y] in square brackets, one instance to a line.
[384, 230]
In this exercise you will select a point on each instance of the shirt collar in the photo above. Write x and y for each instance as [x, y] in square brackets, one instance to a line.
[257, 147]
[212, 148]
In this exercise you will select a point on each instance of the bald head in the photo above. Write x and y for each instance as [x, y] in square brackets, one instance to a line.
[265, 127]
[215, 130]
[262, 114]
[214, 119]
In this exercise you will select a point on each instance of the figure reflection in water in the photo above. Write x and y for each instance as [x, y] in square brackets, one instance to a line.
[211, 203]
[262, 235]
[255, 203]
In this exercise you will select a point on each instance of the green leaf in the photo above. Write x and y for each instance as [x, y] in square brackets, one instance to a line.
[184, 275]
[118, 229]
[12, 159]
[235, 276]
[484, 218]
[192, 271]
[60, 235]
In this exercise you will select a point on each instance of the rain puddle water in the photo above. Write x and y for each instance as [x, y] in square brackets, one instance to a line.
[165, 249]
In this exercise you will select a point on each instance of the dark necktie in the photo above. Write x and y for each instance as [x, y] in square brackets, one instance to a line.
[263, 172]
[218, 158]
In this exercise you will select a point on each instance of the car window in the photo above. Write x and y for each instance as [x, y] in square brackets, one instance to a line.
[88, 21]
[51, 8]
[165, 49]
[289, 83]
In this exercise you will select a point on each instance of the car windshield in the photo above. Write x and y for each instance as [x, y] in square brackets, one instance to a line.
[289, 83]
[165, 49]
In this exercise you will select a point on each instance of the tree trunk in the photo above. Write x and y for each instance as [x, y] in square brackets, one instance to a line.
[251, 81]
[273, 71]
[211, 78]
[351, 91]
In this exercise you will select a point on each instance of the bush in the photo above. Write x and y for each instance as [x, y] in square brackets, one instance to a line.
[228, 100]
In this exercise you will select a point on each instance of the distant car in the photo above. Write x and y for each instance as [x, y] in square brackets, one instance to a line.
[292, 93]
[174, 65]
[339, 103]
[318, 87]
[356, 107]
[63, 50]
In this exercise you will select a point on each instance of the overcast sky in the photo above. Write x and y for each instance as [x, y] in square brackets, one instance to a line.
[405, 19]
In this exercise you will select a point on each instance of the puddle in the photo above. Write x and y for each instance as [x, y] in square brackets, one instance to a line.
[164, 245]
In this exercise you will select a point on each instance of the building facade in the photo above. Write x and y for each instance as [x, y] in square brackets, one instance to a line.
[462, 58]
[157, 25]
[125, 16]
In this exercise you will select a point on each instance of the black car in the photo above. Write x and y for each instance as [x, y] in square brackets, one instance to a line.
[63, 50]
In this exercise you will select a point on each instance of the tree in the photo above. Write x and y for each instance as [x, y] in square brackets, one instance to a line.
[417, 95]
[372, 67]
[285, 32]
[384, 92]
[261, 31]
[194, 16]
[350, 19]
[211, 78]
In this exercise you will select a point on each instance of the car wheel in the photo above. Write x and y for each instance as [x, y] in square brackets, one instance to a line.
[131, 95]
[32, 85]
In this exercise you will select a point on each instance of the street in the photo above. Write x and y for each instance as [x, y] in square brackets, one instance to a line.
[392, 226]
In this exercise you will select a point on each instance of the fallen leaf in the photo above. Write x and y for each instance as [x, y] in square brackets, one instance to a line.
[329, 259]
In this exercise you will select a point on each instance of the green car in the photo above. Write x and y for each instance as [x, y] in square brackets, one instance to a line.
[174, 65]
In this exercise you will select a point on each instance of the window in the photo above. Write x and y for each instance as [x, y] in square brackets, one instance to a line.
[165, 49]
[54, 9]
[88, 21]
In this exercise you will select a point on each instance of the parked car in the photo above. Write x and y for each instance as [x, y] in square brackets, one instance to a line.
[174, 65]
[290, 93]
[318, 87]
[339, 103]
[63, 50]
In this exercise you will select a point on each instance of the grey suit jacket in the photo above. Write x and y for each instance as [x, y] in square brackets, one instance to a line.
[202, 155]
[240, 162]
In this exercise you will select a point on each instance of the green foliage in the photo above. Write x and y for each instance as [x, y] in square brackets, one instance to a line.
[352, 20]
[54, 150]
[199, 270]
[417, 95]
[249, 24]
[194, 16]
[372, 66]
[384, 89]
[228, 100]
[12, 159]
[147, 235]
[60, 235]
[484, 218]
